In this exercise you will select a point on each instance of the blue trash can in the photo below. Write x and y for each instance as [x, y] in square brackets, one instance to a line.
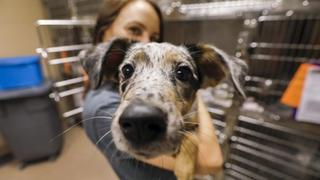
[20, 72]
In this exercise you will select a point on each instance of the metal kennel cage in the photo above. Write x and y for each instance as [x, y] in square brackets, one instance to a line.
[269, 144]
[61, 61]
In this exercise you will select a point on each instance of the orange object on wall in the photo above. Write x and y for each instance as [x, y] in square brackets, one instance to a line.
[293, 93]
[66, 66]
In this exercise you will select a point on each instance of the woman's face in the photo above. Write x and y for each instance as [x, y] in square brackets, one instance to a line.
[138, 20]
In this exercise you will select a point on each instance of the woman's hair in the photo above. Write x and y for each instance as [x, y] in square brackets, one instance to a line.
[110, 11]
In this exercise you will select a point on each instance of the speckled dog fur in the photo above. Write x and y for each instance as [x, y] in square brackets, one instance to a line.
[154, 81]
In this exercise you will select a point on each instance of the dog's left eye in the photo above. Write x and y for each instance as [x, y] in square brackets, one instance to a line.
[183, 73]
[127, 71]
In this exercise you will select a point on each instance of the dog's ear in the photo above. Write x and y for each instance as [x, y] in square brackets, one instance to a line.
[214, 65]
[102, 61]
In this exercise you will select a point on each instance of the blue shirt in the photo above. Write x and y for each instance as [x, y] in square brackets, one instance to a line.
[98, 106]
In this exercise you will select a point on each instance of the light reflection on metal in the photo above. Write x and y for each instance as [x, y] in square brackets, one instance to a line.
[221, 8]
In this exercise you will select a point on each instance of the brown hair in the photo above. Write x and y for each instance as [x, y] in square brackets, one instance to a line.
[110, 11]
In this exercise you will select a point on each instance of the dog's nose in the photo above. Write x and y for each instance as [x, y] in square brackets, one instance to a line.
[142, 123]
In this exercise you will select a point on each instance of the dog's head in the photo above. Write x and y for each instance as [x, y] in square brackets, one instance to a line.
[157, 84]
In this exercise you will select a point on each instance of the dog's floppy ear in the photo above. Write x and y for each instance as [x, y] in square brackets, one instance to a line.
[103, 60]
[214, 65]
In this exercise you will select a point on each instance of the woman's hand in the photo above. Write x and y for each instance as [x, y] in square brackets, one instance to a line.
[209, 159]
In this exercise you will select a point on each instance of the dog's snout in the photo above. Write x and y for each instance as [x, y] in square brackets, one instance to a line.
[142, 123]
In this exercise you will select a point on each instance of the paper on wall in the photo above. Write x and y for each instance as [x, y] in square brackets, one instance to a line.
[309, 108]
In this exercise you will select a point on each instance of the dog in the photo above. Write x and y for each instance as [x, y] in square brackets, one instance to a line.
[158, 84]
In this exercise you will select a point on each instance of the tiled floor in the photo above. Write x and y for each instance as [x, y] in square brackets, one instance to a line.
[79, 160]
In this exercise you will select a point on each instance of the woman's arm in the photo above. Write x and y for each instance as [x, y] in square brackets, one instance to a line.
[210, 158]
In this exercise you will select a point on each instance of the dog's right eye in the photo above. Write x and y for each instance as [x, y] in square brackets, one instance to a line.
[183, 73]
[127, 71]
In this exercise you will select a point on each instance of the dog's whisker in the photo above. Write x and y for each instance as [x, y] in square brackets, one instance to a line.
[103, 128]
[116, 51]
[189, 114]
[109, 144]
[100, 139]
[108, 113]
[195, 132]
[76, 124]
[181, 132]
[113, 155]
[194, 52]
[102, 118]
[97, 117]
[191, 122]
[187, 132]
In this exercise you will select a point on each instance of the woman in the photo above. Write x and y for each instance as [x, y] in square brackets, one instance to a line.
[142, 21]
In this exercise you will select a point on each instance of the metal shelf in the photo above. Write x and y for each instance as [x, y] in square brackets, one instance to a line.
[261, 167]
[284, 46]
[72, 112]
[63, 60]
[76, 47]
[65, 22]
[69, 82]
[71, 92]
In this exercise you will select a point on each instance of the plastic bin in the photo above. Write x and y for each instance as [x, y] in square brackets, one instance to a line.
[20, 72]
[29, 121]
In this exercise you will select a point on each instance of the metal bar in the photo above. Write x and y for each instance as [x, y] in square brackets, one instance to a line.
[263, 80]
[315, 38]
[216, 111]
[65, 22]
[245, 172]
[72, 112]
[272, 159]
[63, 60]
[261, 90]
[227, 5]
[255, 66]
[278, 127]
[283, 18]
[69, 82]
[284, 46]
[279, 58]
[262, 147]
[229, 177]
[260, 167]
[264, 137]
[217, 132]
[39, 34]
[219, 123]
[71, 92]
[305, 37]
[294, 39]
[281, 36]
[64, 48]
[237, 175]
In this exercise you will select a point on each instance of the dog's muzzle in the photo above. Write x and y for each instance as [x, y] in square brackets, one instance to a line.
[142, 123]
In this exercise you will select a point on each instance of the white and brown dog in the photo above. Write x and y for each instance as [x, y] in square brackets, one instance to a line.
[157, 85]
